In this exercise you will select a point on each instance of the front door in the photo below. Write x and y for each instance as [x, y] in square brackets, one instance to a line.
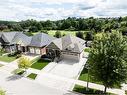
[23, 49]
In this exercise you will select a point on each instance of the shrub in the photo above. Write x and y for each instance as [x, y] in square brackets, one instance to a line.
[2, 92]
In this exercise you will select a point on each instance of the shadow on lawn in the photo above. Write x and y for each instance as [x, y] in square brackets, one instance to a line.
[14, 77]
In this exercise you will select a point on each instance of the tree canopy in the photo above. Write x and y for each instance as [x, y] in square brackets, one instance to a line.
[71, 23]
[108, 59]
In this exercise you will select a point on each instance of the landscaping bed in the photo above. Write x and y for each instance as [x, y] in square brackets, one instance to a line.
[32, 76]
[81, 89]
[40, 64]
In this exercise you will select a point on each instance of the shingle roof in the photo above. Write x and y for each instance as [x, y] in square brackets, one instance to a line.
[21, 37]
[8, 36]
[15, 37]
[70, 43]
[41, 39]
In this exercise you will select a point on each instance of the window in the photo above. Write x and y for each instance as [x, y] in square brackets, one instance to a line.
[31, 50]
[37, 51]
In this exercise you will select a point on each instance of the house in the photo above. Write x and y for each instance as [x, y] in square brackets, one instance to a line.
[39, 42]
[14, 41]
[18, 41]
[67, 47]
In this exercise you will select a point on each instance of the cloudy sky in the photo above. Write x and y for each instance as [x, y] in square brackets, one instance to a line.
[58, 9]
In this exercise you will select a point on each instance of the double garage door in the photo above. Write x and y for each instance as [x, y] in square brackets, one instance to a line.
[71, 56]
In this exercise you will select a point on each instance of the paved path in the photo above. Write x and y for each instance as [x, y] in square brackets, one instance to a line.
[16, 85]
[55, 81]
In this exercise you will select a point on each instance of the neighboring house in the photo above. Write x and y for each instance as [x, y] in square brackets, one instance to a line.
[39, 42]
[68, 47]
[14, 41]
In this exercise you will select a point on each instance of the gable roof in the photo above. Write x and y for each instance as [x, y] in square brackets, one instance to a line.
[41, 39]
[21, 38]
[8, 36]
[70, 43]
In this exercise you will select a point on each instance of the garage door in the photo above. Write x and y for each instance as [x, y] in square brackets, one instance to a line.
[70, 56]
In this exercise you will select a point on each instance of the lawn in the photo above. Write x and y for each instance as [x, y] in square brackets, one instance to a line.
[52, 32]
[7, 59]
[84, 77]
[40, 64]
[32, 76]
[81, 89]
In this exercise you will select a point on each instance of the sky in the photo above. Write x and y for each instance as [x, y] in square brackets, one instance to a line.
[17, 10]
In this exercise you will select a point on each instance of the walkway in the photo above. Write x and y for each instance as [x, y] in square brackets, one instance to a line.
[59, 82]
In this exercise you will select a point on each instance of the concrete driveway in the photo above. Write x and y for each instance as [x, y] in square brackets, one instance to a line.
[51, 74]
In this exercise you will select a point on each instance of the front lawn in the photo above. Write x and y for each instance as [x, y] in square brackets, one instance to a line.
[32, 76]
[7, 59]
[81, 89]
[40, 64]
[84, 76]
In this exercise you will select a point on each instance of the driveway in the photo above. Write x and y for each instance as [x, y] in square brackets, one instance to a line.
[51, 74]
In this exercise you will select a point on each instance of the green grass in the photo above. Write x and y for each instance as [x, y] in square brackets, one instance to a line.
[7, 59]
[84, 76]
[32, 76]
[81, 89]
[52, 32]
[40, 64]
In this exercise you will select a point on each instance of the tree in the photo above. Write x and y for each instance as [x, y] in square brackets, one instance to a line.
[24, 63]
[89, 36]
[33, 29]
[108, 59]
[57, 34]
[80, 35]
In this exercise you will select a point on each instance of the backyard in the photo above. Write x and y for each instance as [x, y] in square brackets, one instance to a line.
[40, 64]
[7, 58]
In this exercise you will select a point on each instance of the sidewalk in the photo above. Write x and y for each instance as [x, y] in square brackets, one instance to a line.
[59, 82]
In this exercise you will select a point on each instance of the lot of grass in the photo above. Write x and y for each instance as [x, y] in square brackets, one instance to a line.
[32, 76]
[84, 77]
[40, 64]
[81, 89]
[7, 59]
[52, 32]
